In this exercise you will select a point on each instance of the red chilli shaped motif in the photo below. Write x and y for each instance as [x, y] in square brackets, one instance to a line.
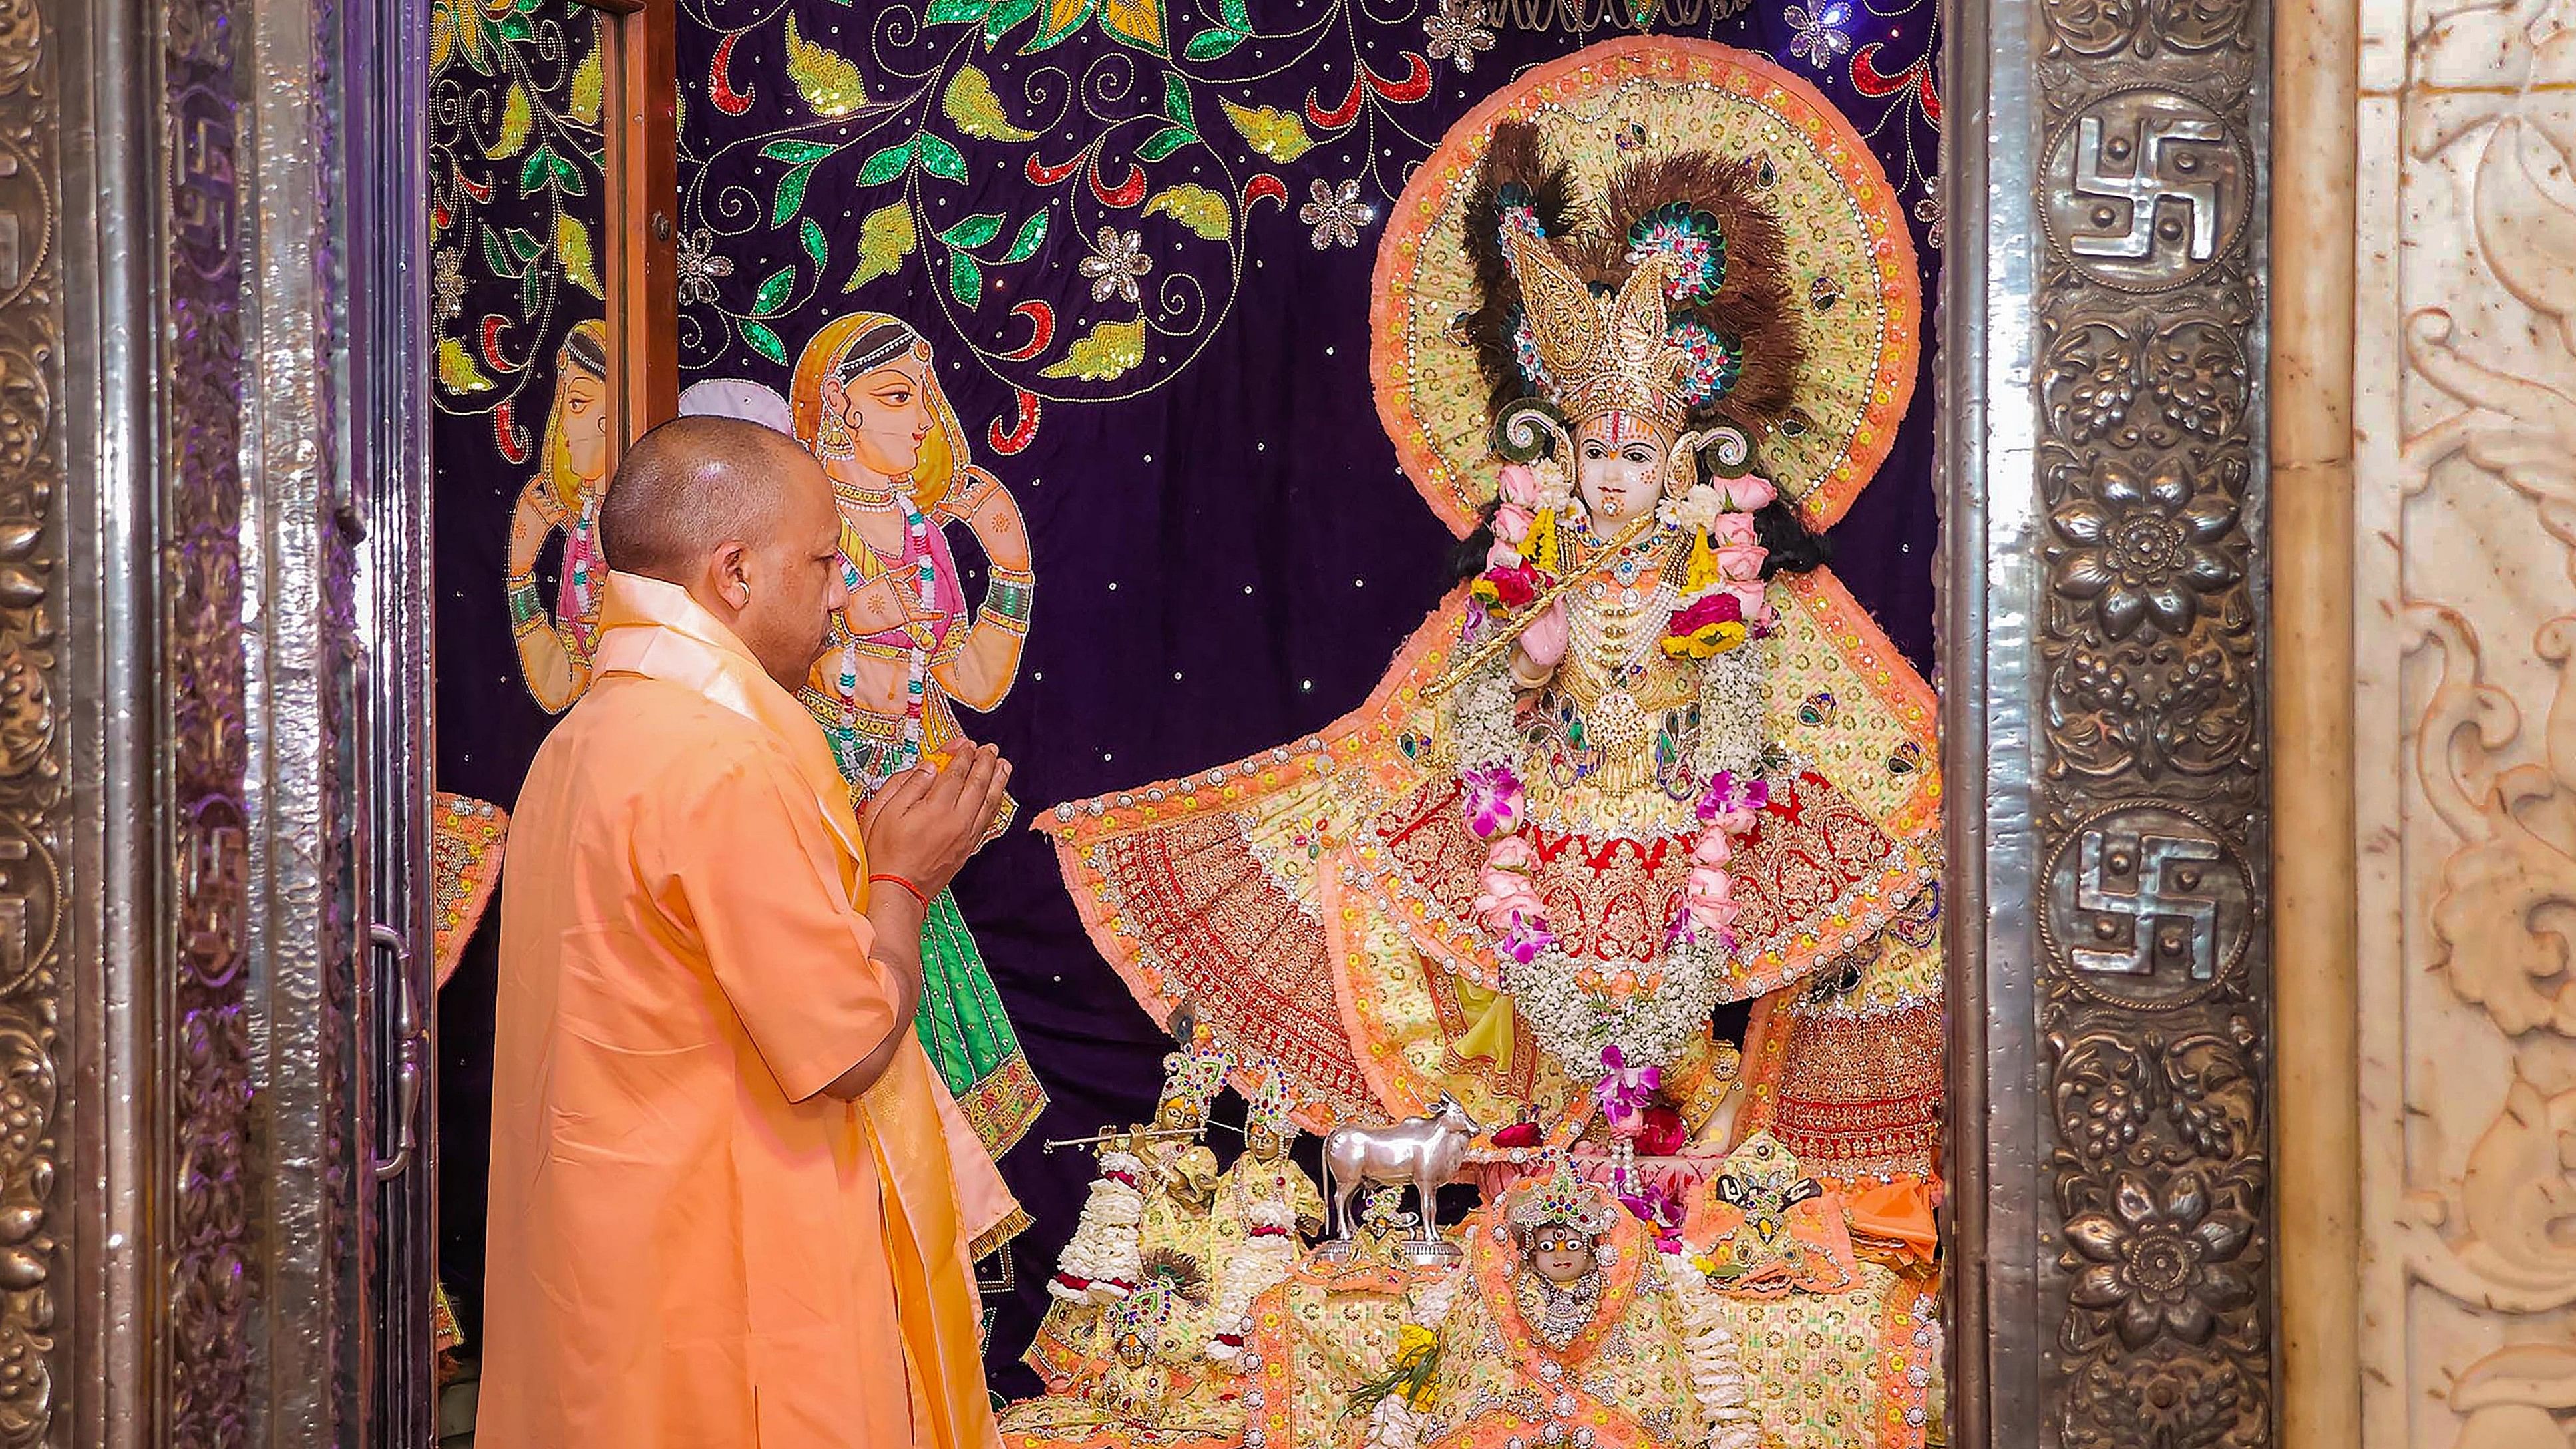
[1041, 329]
[492, 358]
[728, 100]
[1022, 433]
[1041, 174]
[1126, 193]
[1264, 187]
[1415, 85]
[506, 435]
[1341, 115]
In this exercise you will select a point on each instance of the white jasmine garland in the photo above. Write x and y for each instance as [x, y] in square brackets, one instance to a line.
[1651, 1028]
[1431, 1310]
[1102, 1263]
[1716, 1367]
[1260, 1264]
[1696, 509]
[1392, 1424]
[1487, 735]
[1734, 701]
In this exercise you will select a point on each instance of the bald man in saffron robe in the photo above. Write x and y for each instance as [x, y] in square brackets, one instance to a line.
[732, 1204]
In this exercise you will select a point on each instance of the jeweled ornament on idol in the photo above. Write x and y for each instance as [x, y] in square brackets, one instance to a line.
[1591, 802]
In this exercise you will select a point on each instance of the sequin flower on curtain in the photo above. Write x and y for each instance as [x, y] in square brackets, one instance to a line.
[1820, 39]
[447, 280]
[1456, 31]
[700, 266]
[1336, 213]
[1117, 259]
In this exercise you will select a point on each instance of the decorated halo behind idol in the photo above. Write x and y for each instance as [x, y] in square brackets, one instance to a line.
[1844, 259]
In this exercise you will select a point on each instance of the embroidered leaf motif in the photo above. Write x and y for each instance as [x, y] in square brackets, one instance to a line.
[1109, 352]
[810, 232]
[939, 158]
[537, 173]
[456, 369]
[1236, 14]
[496, 255]
[572, 243]
[1193, 206]
[523, 244]
[442, 37]
[797, 153]
[469, 33]
[829, 82]
[955, 12]
[1176, 100]
[587, 84]
[518, 117]
[773, 293]
[763, 341]
[1274, 133]
[974, 231]
[1032, 235]
[1005, 15]
[969, 104]
[1213, 44]
[965, 279]
[888, 164]
[791, 194]
[1164, 142]
[885, 239]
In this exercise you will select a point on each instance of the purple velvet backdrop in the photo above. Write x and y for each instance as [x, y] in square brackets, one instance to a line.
[1226, 552]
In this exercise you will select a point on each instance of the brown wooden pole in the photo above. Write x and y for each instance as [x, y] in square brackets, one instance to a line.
[640, 229]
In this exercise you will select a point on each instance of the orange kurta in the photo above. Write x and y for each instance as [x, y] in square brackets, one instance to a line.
[689, 1244]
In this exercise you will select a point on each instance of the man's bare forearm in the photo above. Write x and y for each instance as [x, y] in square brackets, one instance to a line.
[897, 919]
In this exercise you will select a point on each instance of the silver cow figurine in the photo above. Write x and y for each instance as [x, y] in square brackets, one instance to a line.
[1424, 1152]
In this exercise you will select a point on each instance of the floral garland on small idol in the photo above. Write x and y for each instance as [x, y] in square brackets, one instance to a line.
[1102, 1263]
[1267, 1257]
[1636, 1019]
[1716, 1365]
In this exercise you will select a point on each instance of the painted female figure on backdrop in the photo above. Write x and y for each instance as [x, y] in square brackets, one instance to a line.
[1644, 325]
[554, 645]
[909, 648]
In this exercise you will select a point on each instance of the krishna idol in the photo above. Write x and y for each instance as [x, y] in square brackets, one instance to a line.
[1635, 848]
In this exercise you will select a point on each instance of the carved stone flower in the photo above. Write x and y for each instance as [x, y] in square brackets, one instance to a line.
[2161, 1262]
[1336, 213]
[1117, 259]
[700, 267]
[1457, 31]
[2141, 547]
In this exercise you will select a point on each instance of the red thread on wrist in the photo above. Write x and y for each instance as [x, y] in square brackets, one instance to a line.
[916, 892]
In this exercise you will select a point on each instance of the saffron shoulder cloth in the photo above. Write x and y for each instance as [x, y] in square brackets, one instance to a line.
[945, 1203]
